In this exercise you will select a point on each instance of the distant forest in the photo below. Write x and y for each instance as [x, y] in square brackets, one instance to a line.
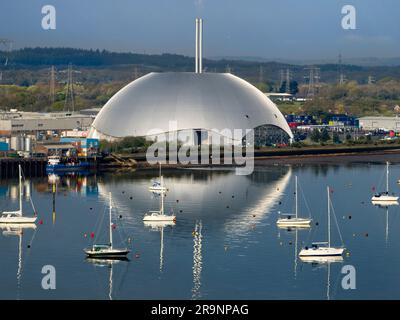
[98, 74]
[269, 72]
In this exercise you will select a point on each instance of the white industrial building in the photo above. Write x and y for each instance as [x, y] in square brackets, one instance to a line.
[16, 122]
[380, 123]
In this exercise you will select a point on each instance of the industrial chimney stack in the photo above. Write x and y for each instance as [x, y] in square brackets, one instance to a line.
[199, 46]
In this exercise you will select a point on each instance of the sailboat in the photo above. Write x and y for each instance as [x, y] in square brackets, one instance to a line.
[16, 217]
[289, 221]
[385, 196]
[156, 187]
[323, 249]
[106, 251]
[159, 215]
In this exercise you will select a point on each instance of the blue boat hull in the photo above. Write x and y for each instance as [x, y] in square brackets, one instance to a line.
[67, 168]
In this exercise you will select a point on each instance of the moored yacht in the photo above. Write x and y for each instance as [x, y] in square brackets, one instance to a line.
[106, 251]
[159, 215]
[323, 249]
[290, 221]
[385, 196]
[16, 217]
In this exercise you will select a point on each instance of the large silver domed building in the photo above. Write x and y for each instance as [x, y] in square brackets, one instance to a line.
[197, 103]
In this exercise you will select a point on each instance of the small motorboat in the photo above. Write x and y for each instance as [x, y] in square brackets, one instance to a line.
[156, 186]
[56, 165]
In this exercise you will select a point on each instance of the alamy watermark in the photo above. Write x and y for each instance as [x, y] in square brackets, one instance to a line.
[49, 280]
[49, 20]
[349, 19]
[349, 280]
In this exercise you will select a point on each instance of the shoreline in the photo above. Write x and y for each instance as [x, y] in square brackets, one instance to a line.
[379, 156]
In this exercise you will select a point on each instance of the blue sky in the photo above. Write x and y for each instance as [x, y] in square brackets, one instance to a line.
[289, 29]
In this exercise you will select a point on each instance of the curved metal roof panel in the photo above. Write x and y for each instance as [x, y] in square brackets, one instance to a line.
[195, 101]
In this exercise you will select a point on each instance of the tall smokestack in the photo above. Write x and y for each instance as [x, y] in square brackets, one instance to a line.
[200, 45]
[196, 61]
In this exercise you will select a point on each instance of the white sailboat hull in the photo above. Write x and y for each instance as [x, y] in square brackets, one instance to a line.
[321, 252]
[384, 198]
[17, 220]
[321, 259]
[106, 253]
[158, 224]
[159, 217]
[294, 222]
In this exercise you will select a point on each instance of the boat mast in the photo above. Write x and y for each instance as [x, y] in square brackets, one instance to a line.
[162, 195]
[296, 196]
[387, 177]
[111, 240]
[329, 219]
[20, 188]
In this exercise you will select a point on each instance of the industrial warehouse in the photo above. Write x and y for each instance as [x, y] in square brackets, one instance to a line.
[26, 131]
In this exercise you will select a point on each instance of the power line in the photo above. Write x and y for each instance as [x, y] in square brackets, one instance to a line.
[313, 81]
[69, 102]
[8, 48]
[261, 75]
[52, 84]
[136, 73]
[342, 77]
[288, 77]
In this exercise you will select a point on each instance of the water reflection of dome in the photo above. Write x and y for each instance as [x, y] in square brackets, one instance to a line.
[234, 202]
[257, 210]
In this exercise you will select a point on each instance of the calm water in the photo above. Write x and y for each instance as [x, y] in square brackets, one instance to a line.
[225, 244]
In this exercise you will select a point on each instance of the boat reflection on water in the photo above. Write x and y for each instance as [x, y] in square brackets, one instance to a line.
[197, 260]
[18, 230]
[107, 263]
[159, 226]
[385, 206]
[324, 261]
[84, 182]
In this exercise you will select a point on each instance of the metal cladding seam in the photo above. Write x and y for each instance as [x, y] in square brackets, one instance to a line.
[196, 101]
